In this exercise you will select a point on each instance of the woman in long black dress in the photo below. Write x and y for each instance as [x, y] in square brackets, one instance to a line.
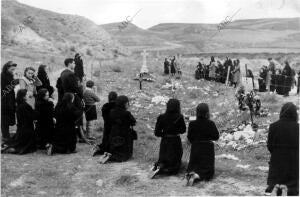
[288, 79]
[44, 78]
[107, 107]
[45, 118]
[169, 126]
[283, 144]
[8, 101]
[201, 133]
[24, 140]
[121, 134]
[66, 114]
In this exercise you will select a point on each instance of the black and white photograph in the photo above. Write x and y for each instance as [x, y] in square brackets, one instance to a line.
[150, 98]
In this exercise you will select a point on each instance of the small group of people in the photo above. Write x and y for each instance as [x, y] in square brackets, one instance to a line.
[40, 125]
[171, 67]
[277, 80]
[216, 71]
[56, 128]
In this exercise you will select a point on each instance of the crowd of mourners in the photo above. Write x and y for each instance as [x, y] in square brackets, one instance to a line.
[270, 78]
[58, 128]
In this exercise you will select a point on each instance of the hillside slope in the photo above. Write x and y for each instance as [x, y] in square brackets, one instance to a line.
[247, 36]
[250, 35]
[30, 32]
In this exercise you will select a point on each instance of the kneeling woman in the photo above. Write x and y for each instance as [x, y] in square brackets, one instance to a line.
[121, 134]
[201, 132]
[66, 114]
[169, 126]
[24, 140]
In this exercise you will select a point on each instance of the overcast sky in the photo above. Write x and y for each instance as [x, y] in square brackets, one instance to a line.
[152, 12]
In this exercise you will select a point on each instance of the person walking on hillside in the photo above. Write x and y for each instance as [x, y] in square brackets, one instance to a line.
[201, 133]
[283, 145]
[169, 126]
[8, 101]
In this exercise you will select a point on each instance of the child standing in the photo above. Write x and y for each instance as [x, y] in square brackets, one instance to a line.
[90, 98]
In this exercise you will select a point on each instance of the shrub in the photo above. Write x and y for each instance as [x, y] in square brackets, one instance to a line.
[96, 73]
[116, 69]
[72, 48]
[89, 52]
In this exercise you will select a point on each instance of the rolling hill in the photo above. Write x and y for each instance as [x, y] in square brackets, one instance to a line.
[33, 34]
[247, 36]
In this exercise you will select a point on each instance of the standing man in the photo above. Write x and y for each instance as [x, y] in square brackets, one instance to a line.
[69, 82]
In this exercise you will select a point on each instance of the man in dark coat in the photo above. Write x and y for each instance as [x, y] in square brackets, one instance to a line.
[8, 102]
[169, 126]
[166, 67]
[201, 133]
[78, 70]
[283, 144]
[69, 82]
[107, 107]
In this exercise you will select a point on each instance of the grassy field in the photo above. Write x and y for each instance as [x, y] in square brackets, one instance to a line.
[79, 174]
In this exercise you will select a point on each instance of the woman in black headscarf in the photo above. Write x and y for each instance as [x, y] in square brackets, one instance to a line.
[283, 144]
[288, 79]
[44, 127]
[43, 77]
[169, 126]
[66, 115]
[78, 70]
[201, 133]
[8, 101]
[121, 134]
[24, 140]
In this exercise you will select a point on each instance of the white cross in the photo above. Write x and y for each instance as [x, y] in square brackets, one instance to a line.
[144, 68]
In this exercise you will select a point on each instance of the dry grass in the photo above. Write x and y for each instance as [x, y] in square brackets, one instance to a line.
[76, 174]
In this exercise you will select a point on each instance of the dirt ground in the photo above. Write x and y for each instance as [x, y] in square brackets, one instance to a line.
[79, 174]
